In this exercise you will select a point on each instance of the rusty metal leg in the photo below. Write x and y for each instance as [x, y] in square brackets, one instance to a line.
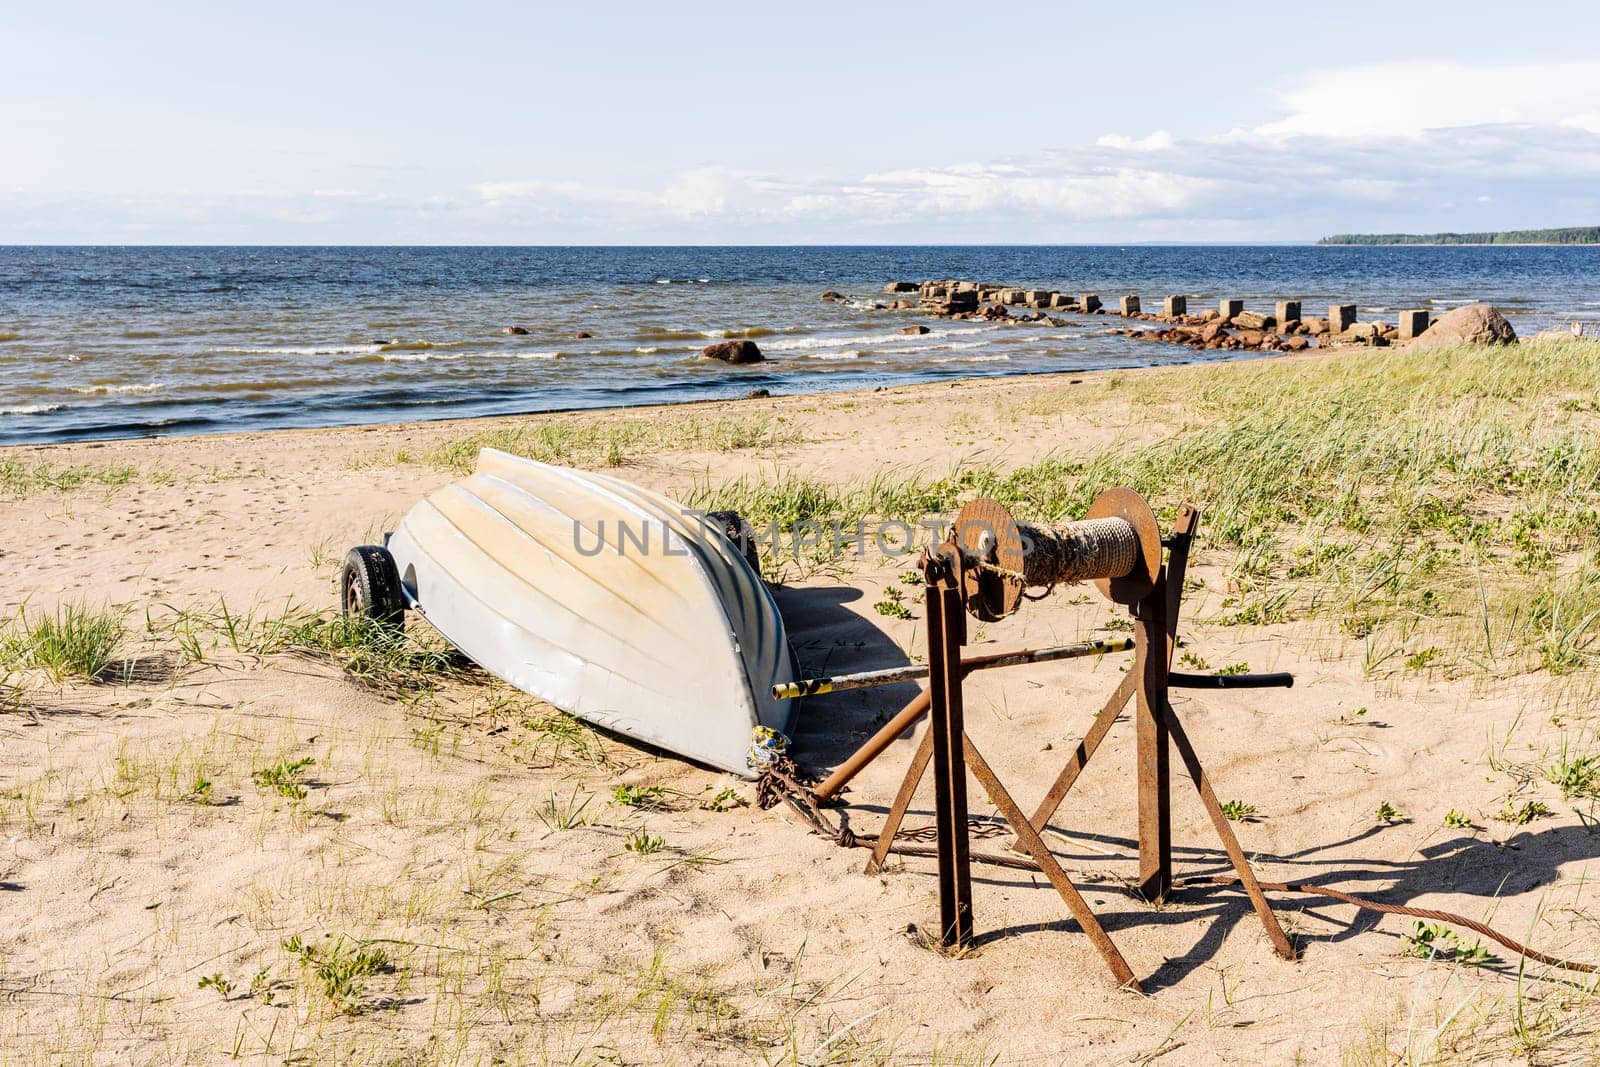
[945, 624]
[1230, 843]
[1155, 798]
[1051, 869]
[902, 800]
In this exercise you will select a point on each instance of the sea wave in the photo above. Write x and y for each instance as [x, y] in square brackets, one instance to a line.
[118, 390]
[32, 409]
[999, 357]
[802, 344]
[657, 333]
[368, 349]
[831, 355]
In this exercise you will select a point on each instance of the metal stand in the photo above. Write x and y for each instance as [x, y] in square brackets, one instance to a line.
[1157, 730]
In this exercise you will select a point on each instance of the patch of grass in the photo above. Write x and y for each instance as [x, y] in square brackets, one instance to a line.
[19, 477]
[74, 640]
[1449, 489]
[562, 738]
[725, 800]
[1456, 819]
[1389, 814]
[612, 442]
[564, 813]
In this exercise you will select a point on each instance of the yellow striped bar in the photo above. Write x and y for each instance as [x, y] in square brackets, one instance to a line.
[811, 687]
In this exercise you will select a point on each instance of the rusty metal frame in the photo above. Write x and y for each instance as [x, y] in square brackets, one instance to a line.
[951, 752]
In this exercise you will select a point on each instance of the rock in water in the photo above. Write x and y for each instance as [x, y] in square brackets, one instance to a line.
[734, 352]
[831, 297]
[1475, 324]
[914, 330]
[514, 331]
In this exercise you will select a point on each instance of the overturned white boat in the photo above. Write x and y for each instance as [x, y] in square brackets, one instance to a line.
[611, 602]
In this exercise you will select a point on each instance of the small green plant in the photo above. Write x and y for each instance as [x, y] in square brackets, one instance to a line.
[643, 797]
[1352, 717]
[893, 606]
[1420, 660]
[726, 800]
[1239, 811]
[910, 579]
[284, 778]
[644, 844]
[1234, 668]
[1456, 819]
[1575, 775]
[1523, 814]
[217, 982]
[1193, 662]
[261, 986]
[1388, 813]
[1430, 940]
[338, 968]
[200, 791]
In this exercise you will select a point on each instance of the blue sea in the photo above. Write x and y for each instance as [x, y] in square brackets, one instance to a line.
[100, 343]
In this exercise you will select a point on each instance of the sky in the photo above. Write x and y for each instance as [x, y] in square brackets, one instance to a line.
[482, 122]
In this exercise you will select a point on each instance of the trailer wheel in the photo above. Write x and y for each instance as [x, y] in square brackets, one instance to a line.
[740, 533]
[370, 586]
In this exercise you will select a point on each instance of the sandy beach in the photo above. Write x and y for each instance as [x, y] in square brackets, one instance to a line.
[459, 879]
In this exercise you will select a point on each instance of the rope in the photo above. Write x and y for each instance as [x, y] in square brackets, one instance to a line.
[1368, 904]
[1091, 548]
[782, 782]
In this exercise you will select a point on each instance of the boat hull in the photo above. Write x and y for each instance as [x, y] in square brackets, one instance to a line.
[609, 601]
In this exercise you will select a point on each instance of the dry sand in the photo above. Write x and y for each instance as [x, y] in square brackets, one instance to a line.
[745, 939]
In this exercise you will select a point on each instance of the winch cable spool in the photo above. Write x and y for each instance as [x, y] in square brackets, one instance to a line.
[1117, 545]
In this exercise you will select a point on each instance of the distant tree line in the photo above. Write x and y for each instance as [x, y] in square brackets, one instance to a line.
[1571, 235]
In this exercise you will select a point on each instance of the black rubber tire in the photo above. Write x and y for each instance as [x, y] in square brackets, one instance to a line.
[370, 585]
[740, 533]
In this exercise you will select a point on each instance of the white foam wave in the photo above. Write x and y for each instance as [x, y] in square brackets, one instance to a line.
[830, 356]
[32, 409]
[306, 350]
[648, 350]
[997, 358]
[418, 357]
[802, 344]
[118, 390]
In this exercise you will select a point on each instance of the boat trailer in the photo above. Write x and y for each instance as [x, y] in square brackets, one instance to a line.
[985, 568]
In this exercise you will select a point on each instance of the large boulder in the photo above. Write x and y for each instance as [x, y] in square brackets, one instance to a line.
[1475, 324]
[734, 352]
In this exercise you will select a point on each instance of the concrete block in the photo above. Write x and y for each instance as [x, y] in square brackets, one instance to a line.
[1063, 300]
[1130, 305]
[1413, 323]
[1174, 306]
[1341, 317]
[1039, 298]
[1088, 303]
[1287, 311]
[1229, 308]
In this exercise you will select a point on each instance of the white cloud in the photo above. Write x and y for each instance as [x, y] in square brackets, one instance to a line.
[1402, 99]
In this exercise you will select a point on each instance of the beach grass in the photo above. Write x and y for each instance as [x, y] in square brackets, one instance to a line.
[612, 442]
[1378, 490]
[72, 641]
[21, 477]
